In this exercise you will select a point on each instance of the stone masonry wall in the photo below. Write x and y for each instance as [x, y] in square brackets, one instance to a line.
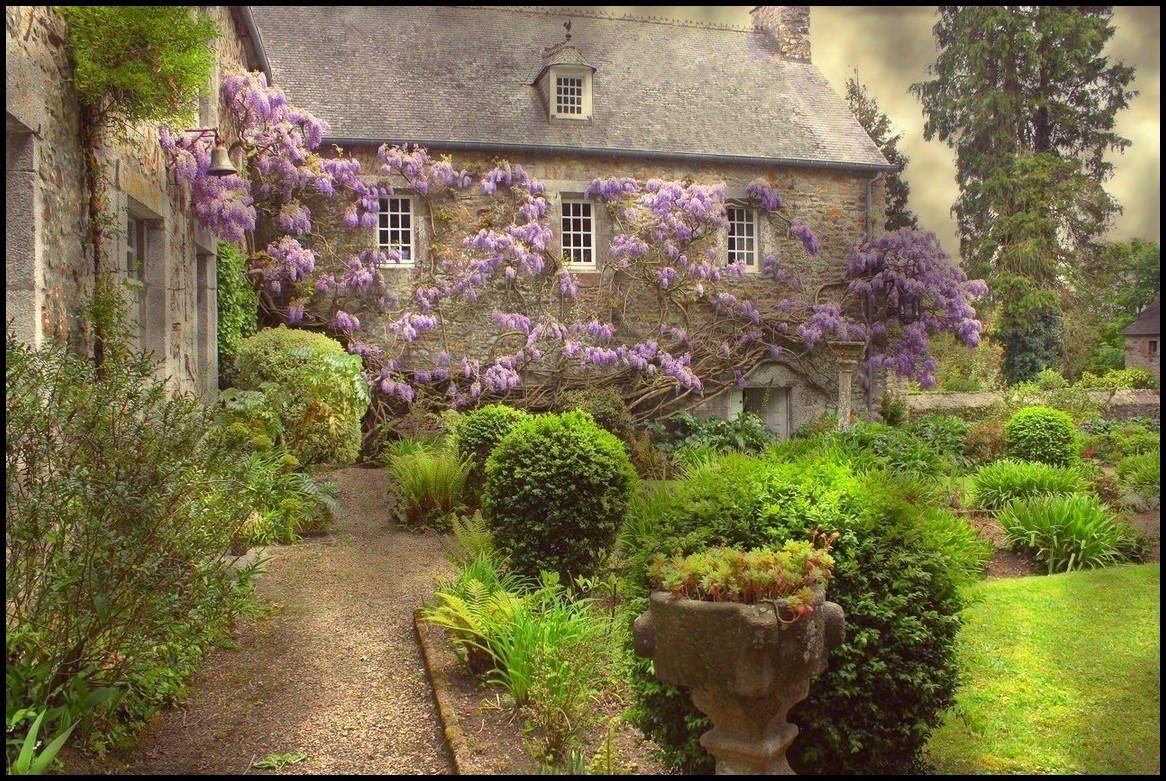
[49, 279]
[832, 202]
[1139, 355]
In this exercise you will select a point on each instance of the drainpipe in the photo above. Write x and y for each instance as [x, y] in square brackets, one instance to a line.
[869, 296]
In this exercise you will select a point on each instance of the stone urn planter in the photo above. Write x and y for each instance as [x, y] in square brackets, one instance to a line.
[746, 667]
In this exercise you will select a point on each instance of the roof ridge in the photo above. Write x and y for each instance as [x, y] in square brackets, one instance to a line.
[539, 10]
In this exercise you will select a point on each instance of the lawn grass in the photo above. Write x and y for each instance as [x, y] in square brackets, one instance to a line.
[1061, 676]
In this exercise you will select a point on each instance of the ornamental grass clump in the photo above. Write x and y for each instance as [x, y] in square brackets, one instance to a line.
[732, 575]
[1066, 533]
[995, 485]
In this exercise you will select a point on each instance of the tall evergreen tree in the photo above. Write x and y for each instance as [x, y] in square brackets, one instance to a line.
[878, 126]
[1028, 101]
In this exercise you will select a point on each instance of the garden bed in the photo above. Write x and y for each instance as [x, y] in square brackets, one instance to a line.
[485, 735]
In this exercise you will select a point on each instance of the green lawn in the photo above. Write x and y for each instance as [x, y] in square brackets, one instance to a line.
[1061, 677]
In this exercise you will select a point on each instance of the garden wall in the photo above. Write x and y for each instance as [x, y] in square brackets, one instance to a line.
[1114, 404]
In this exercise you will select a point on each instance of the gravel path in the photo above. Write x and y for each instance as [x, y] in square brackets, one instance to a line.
[332, 671]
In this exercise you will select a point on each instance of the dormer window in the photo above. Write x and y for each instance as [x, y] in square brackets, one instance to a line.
[570, 92]
[564, 81]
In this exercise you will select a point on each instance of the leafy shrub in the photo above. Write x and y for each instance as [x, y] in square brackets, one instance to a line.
[1041, 434]
[315, 387]
[745, 434]
[984, 442]
[1117, 379]
[651, 461]
[283, 502]
[893, 410]
[556, 491]
[943, 433]
[895, 448]
[430, 487]
[1124, 440]
[606, 406]
[119, 510]
[995, 485]
[481, 432]
[1067, 533]
[1142, 475]
[1050, 380]
[895, 576]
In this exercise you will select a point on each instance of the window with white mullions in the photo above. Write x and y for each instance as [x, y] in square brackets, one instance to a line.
[395, 231]
[578, 233]
[568, 95]
[743, 236]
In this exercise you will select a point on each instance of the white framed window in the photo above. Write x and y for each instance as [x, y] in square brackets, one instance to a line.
[136, 248]
[568, 95]
[396, 230]
[743, 236]
[569, 92]
[578, 235]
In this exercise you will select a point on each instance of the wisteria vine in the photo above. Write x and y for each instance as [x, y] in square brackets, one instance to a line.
[493, 311]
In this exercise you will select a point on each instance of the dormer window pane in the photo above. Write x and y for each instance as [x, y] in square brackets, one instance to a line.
[568, 95]
[742, 237]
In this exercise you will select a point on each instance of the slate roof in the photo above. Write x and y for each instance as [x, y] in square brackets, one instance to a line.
[459, 77]
[1148, 322]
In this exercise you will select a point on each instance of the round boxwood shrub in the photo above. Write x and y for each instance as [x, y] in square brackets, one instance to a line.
[1041, 434]
[899, 568]
[315, 387]
[480, 433]
[557, 488]
[606, 405]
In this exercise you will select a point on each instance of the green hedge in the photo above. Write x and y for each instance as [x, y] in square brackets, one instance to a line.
[238, 305]
[899, 568]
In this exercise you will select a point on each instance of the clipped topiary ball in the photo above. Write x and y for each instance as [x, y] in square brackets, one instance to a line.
[481, 432]
[1041, 434]
[606, 405]
[557, 488]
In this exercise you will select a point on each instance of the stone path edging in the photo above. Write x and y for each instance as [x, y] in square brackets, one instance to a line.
[431, 649]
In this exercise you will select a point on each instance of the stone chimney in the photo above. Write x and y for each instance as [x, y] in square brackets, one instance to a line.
[788, 26]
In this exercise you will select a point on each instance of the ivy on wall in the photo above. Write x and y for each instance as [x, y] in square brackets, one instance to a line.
[238, 304]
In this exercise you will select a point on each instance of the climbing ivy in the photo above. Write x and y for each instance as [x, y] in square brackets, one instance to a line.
[238, 306]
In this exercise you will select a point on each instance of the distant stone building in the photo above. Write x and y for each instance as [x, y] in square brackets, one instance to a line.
[158, 250]
[617, 96]
[1142, 339]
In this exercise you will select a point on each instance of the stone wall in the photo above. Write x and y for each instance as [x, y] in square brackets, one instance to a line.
[49, 278]
[833, 202]
[1114, 404]
[1142, 352]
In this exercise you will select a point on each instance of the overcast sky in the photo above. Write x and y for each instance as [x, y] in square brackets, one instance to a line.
[892, 46]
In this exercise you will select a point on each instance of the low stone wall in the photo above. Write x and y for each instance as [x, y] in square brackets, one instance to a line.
[1114, 404]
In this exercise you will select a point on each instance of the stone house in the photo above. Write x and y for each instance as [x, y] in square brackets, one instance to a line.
[165, 259]
[1142, 339]
[613, 96]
